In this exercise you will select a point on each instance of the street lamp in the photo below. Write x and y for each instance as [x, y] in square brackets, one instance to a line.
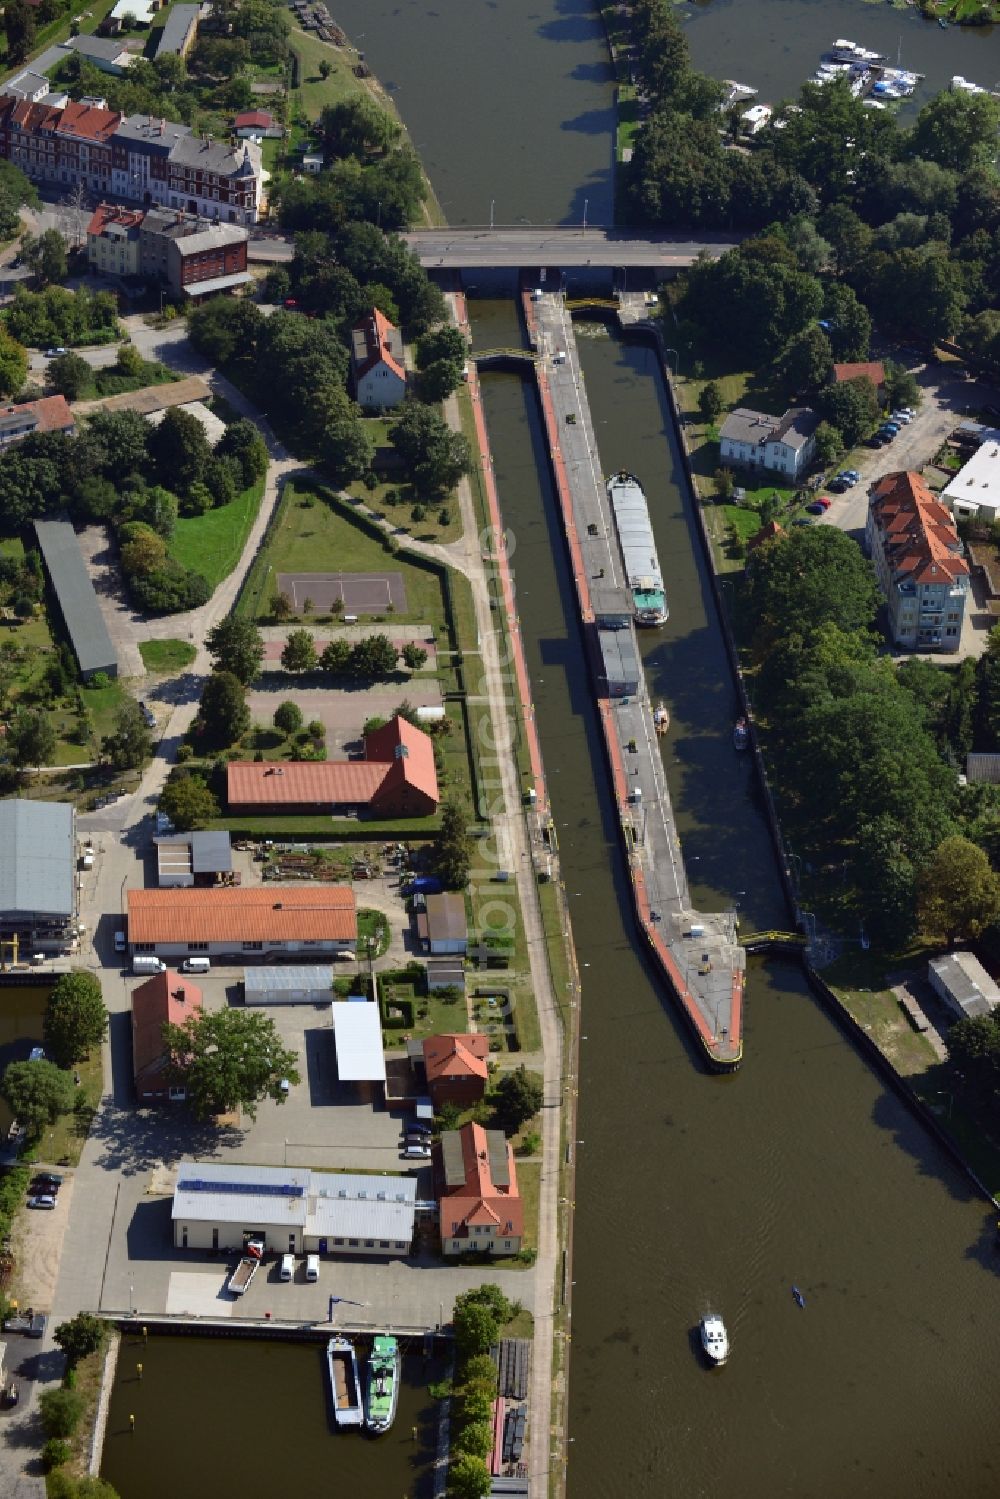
[586, 205]
[493, 202]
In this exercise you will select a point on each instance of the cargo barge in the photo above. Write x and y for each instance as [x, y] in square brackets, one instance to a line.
[638, 549]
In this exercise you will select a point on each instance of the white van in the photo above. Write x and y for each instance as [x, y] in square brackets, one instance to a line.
[196, 965]
[144, 963]
[287, 1267]
[312, 1267]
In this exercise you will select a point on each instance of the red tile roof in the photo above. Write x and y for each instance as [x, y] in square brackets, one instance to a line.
[398, 757]
[410, 754]
[114, 213]
[918, 533]
[52, 413]
[165, 997]
[456, 1056]
[479, 1200]
[377, 328]
[872, 368]
[766, 533]
[278, 914]
[251, 118]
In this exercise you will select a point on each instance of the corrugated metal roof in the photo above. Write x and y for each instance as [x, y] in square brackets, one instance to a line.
[76, 596]
[37, 855]
[282, 979]
[239, 1199]
[971, 988]
[357, 1034]
[362, 1207]
[496, 1149]
[446, 919]
[175, 33]
[211, 853]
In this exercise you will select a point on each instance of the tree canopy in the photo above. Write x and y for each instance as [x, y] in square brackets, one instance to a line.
[37, 1093]
[229, 1060]
[76, 1019]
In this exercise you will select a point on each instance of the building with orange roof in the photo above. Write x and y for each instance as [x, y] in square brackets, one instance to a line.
[397, 778]
[48, 414]
[377, 362]
[307, 921]
[871, 369]
[457, 1068]
[766, 533]
[113, 239]
[920, 563]
[166, 997]
[475, 1182]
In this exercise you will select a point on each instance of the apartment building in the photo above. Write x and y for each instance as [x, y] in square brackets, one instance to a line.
[918, 557]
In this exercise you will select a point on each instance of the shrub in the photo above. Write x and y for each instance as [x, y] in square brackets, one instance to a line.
[476, 1438]
[55, 1453]
[401, 1021]
[61, 1411]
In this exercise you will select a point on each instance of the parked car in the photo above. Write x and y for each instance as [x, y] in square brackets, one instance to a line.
[803, 520]
[849, 477]
[120, 943]
[816, 508]
[149, 716]
[411, 1153]
[891, 427]
[417, 1127]
[824, 502]
[903, 417]
[287, 1271]
[877, 441]
[55, 352]
[839, 486]
[42, 1200]
[45, 1185]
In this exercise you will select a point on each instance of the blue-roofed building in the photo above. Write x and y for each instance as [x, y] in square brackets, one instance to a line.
[294, 1210]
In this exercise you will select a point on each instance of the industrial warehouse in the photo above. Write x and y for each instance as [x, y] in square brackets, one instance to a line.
[293, 1210]
[228, 921]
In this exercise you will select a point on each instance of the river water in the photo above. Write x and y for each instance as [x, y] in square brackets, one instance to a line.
[695, 1191]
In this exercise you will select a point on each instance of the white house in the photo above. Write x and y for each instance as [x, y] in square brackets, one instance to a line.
[975, 489]
[783, 445]
[377, 363]
[964, 985]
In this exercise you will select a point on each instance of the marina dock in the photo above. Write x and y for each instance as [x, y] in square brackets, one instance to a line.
[698, 952]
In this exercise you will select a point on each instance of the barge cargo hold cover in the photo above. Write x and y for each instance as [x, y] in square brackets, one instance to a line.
[638, 549]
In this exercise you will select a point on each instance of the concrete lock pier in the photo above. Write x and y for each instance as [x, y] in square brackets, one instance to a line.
[698, 952]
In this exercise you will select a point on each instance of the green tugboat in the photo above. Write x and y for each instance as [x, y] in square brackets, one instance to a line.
[382, 1392]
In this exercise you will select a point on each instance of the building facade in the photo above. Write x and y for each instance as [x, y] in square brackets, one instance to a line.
[377, 363]
[782, 444]
[479, 1204]
[294, 1211]
[167, 997]
[113, 240]
[131, 158]
[39, 893]
[919, 561]
[47, 414]
[190, 256]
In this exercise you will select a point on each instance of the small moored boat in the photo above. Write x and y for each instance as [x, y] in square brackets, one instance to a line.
[382, 1391]
[714, 1339]
[661, 718]
[345, 1388]
[741, 734]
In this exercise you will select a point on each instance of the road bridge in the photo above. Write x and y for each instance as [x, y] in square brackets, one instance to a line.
[560, 245]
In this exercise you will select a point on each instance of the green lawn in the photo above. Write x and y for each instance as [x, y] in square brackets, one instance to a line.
[112, 382]
[212, 543]
[166, 655]
[316, 534]
[314, 92]
[62, 1143]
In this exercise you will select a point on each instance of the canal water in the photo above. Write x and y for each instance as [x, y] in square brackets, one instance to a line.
[254, 1417]
[510, 103]
[694, 1191]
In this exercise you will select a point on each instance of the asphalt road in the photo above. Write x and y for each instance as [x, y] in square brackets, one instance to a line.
[552, 245]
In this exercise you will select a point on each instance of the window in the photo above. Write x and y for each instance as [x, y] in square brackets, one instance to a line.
[353, 1243]
[252, 946]
[383, 1243]
[215, 1238]
[506, 1243]
[455, 1244]
[142, 947]
[197, 947]
[184, 1237]
[291, 1243]
[338, 1241]
[369, 1243]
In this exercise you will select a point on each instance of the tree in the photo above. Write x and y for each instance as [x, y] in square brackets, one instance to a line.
[282, 607]
[336, 657]
[958, 892]
[31, 739]
[179, 448]
[453, 855]
[188, 802]
[489, 1295]
[225, 330]
[468, 1477]
[75, 1017]
[357, 126]
[223, 714]
[68, 375]
[829, 443]
[338, 433]
[517, 1098]
[19, 23]
[237, 647]
[242, 441]
[37, 1092]
[476, 1329]
[46, 256]
[61, 1411]
[852, 407]
[849, 327]
[229, 1060]
[288, 717]
[13, 364]
[131, 744]
[476, 1438]
[414, 656]
[974, 1054]
[435, 457]
[957, 130]
[130, 361]
[710, 402]
[806, 361]
[900, 388]
[445, 342]
[299, 652]
[325, 69]
[438, 380]
[82, 1335]
[373, 658]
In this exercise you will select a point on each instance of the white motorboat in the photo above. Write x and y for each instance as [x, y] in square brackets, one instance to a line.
[714, 1339]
